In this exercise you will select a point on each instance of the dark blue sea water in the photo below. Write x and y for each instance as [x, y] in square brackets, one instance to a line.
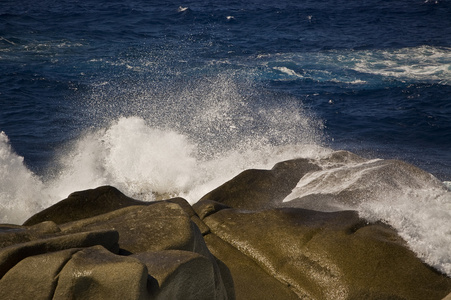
[167, 96]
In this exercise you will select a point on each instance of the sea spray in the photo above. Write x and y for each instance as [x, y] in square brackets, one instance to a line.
[145, 162]
[154, 140]
[141, 161]
[21, 191]
[137, 159]
[421, 217]
[219, 112]
[410, 200]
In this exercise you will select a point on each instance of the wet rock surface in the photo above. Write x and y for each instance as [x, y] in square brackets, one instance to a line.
[240, 241]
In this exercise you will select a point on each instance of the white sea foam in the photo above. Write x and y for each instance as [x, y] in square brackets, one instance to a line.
[8, 41]
[143, 161]
[422, 63]
[21, 191]
[412, 64]
[447, 184]
[137, 159]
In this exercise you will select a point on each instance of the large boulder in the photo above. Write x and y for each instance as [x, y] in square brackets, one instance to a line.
[95, 273]
[183, 275]
[248, 279]
[35, 276]
[323, 255]
[159, 226]
[76, 273]
[255, 189]
[345, 180]
[84, 204]
[161, 250]
[11, 255]
[337, 181]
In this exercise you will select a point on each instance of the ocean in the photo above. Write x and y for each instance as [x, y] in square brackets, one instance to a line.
[176, 97]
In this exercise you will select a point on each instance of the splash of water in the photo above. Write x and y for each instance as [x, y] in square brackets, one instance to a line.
[21, 191]
[152, 144]
[410, 200]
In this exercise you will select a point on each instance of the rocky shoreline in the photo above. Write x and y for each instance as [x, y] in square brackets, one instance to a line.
[240, 241]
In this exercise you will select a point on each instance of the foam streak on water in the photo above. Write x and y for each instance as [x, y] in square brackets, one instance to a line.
[367, 68]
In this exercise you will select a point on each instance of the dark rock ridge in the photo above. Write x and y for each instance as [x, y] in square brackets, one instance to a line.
[240, 241]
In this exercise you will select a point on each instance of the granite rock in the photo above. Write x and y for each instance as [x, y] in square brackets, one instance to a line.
[242, 240]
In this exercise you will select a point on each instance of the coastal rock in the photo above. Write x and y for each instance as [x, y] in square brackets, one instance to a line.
[158, 226]
[334, 182]
[84, 204]
[191, 213]
[95, 273]
[205, 208]
[255, 189]
[11, 255]
[243, 240]
[39, 272]
[78, 273]
[15, 234]
[180, 274]
[249, 280]
[320, 255]
[343, 181]
[160, 235]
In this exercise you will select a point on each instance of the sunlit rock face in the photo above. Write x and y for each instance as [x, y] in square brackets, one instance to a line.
[301, 230]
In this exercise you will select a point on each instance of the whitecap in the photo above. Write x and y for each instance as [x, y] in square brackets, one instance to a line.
[288, 71]
[182, 9]
[421, 64]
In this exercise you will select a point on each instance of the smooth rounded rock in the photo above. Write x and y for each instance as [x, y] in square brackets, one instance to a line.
[95, 273]
[256, 189]
[182, 275]
[84, 204]
[11, 255]
[10, 235]
[333, 255]
[35, 277]
[158, 226]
